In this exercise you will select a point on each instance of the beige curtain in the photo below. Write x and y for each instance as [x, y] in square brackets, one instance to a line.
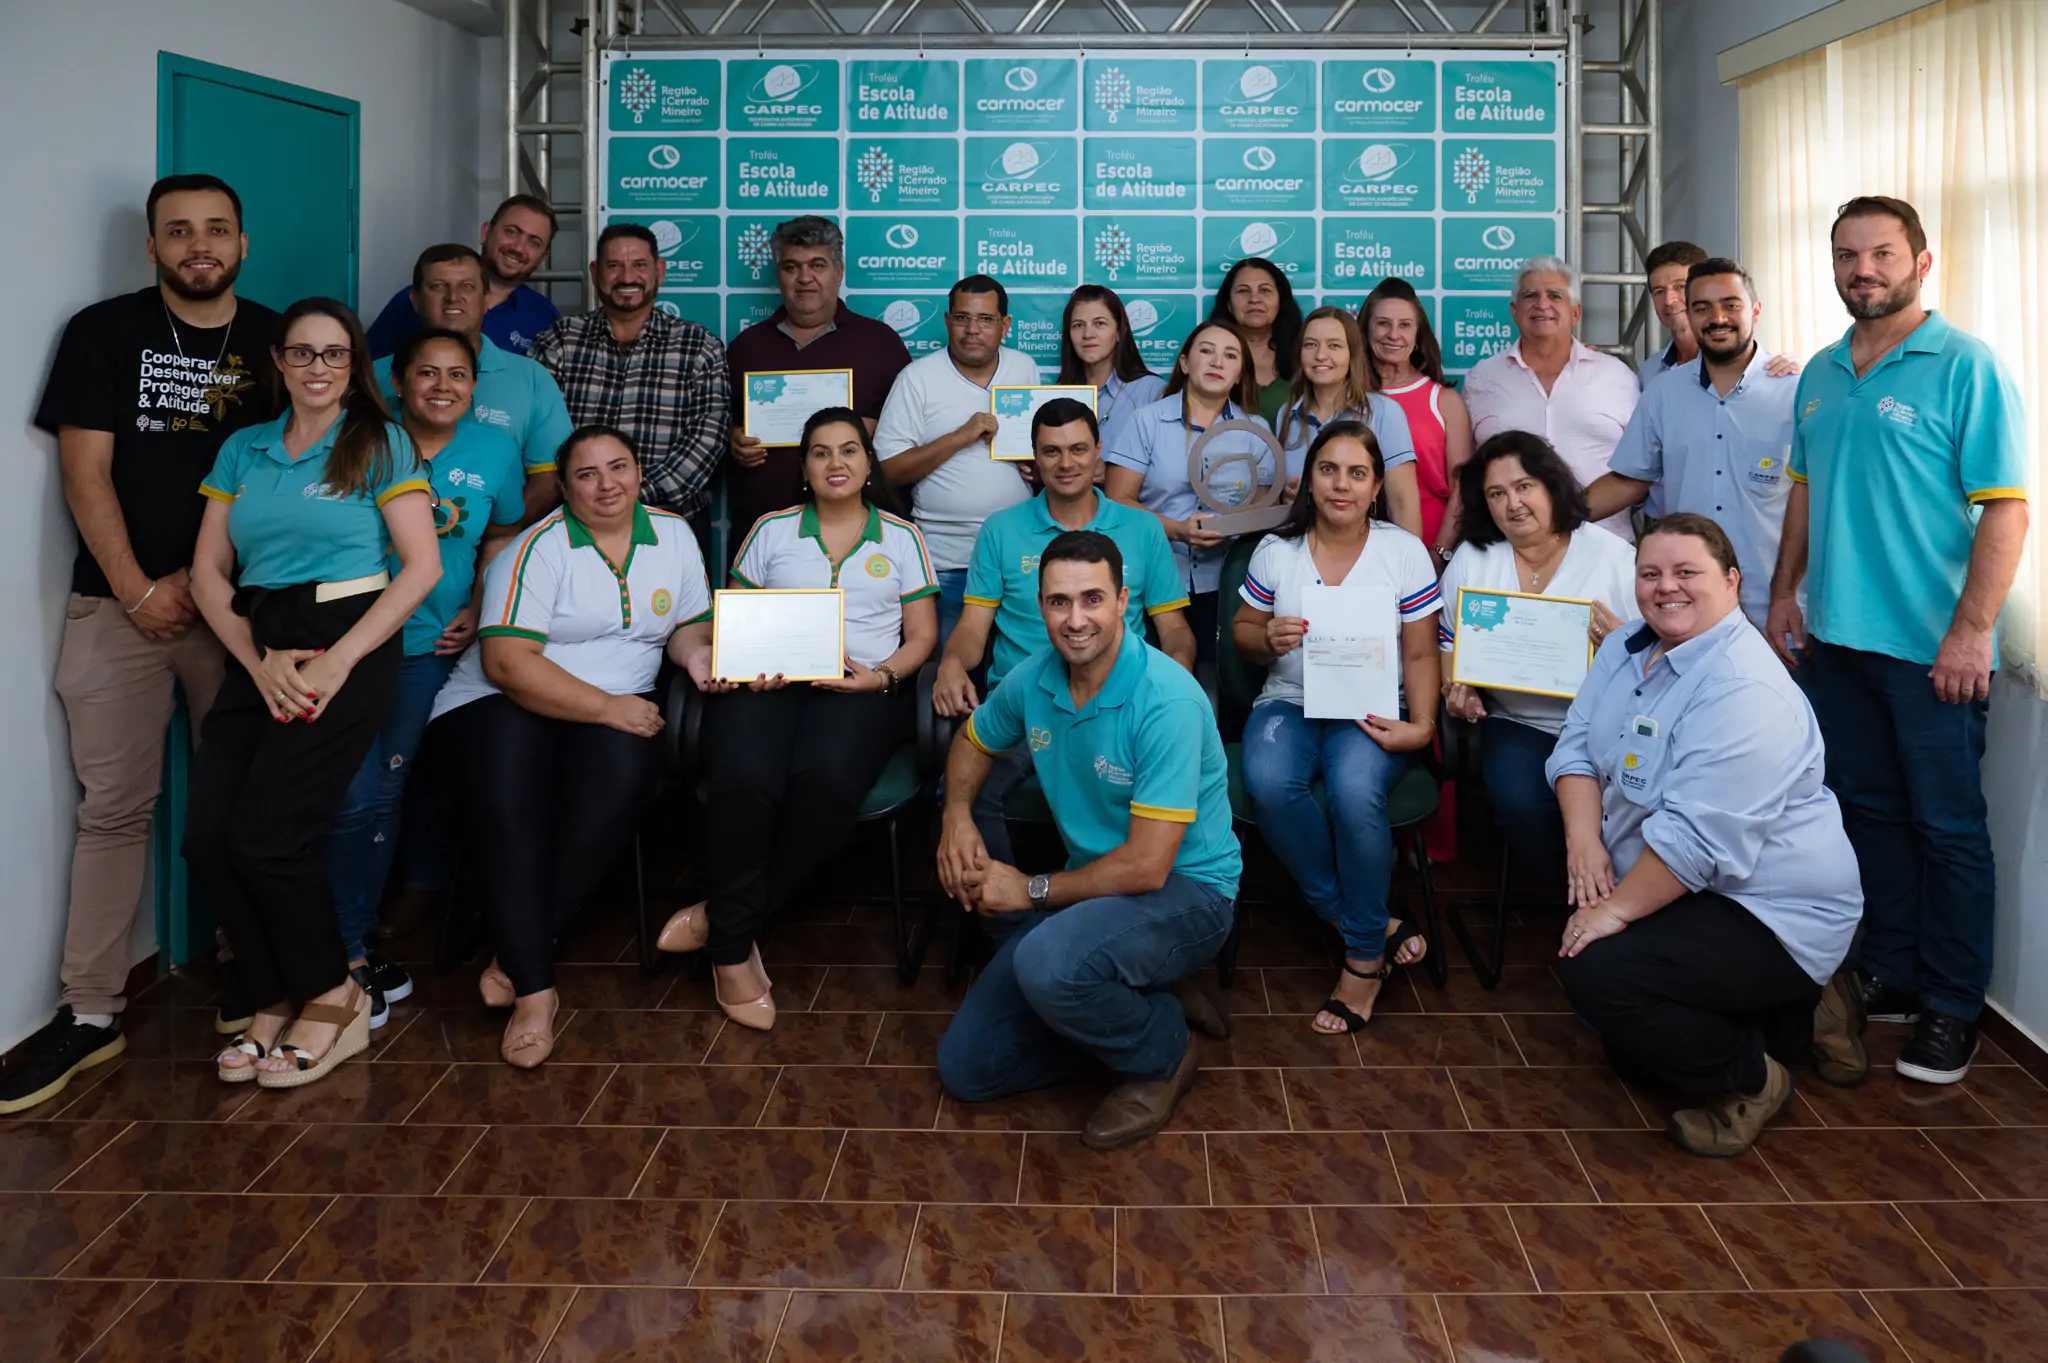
[1943, 108]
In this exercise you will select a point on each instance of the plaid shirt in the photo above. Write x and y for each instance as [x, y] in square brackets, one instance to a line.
[668, 391]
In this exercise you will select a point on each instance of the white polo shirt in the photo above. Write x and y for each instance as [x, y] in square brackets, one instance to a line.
[1280, 568]
[931, 398]
[600, 622]
[886, 568]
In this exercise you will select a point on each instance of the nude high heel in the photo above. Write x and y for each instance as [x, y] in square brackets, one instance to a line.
[758, 1014]
[688, 930]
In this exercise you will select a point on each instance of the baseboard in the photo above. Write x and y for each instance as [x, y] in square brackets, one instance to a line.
[2026, 1049]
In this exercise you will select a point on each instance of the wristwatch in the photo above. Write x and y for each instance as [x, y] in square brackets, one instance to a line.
[1039, 890]
[1444, 551]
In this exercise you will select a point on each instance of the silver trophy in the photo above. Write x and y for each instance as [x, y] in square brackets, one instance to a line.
[1264, 509]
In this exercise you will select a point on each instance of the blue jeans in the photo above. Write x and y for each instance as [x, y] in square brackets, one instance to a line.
[1511, 758]
[364, 835]
[952, 600]
[1343, 861]
[1906, 767]
[1081, 985]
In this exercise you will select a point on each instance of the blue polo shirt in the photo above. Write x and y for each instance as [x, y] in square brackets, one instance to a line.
[1899, 463]
[515, 395]
[1383, 416]
[513, 324]
[476, 481]
[1146, 745]
[1720, 457]
[286, 526]
[1003, 574]
[1155, 441]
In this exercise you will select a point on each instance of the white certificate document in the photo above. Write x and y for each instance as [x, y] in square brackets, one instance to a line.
[1351, 656]
[1511, 641]
[1014, 408]
[800, 635]
[779, 403]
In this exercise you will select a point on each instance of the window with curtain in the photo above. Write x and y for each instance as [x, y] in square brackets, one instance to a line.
[1946, 109]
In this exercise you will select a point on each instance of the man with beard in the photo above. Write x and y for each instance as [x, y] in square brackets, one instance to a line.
[144, 389]
[1715, 439]
[1906, 519]
[1092, 962]
[515, 244]
[657, 377]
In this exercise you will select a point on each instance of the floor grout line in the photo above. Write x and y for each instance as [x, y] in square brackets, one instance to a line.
[122, 1315]
[1443, 1326]
[297, 1136]
[1208, 1170]
[1002, 1323]
[463, 1159]
[1527, 1262]
[333, 1201]
[1946, 1159]
[837, 1151]
[439, 1079]
[511, 1225]
[1023, 1155]
[126, 1127]
[1665, 1325]
[1523, 1051]
[1896, 1211]
[652, 1156]
[1584, 1172]
[556, 1328]
[1315, 1236]
[768, 1098]
[1115, 1234]
[1758, 1150]
[776, 1338]
[1722, 1241]
[86, 1248]
[1222, 1331]
[1451, 1078]
[876, 1044]
[705, 1248]
[1864, 1293]
[340, 1316]
[910, 1248]
[591, 1106]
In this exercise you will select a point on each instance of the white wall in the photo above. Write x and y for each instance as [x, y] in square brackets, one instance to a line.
[78, 96]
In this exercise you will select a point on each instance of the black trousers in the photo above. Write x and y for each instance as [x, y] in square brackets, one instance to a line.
[548, 806]
[262, 795]
[1694, 996]
[785, 772]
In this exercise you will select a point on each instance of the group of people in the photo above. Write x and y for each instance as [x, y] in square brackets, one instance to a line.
[471, 543]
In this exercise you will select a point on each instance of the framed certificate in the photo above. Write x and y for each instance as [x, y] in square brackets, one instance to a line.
[1513, 641]
[798, 634]
[778, 403]
[1351, 656]
[1014, 408]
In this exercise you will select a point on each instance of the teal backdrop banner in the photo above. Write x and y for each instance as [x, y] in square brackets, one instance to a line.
[1150, 174]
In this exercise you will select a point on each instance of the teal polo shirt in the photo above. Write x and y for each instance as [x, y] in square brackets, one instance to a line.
[1003, 574]
[1898, 465]
[1146, 745]
[515, 395]
[477, 481]
[286, 526]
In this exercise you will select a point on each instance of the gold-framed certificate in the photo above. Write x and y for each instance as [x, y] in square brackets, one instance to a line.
[798, 634]
[776, 403]
[1014, 407]
[1516, 641]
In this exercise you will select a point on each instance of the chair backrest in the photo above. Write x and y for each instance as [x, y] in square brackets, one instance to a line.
[1237, 679]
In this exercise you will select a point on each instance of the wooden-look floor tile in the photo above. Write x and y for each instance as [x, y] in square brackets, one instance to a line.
[909, 1038]
[900, 1327]
[1298, 992]
[604, 1242]
[1266, 1042]
[1983, 1327]
[928, 1166]
[1624, 1249]
[401, 1240]
[553, 1095]
[218, 1322]
[683, 1095]
[2009, 1093]
[413, 1321]
[369, 1159]
[1013, 1249]
[1166, 1171]
[801, 1039]
[1436, 1039]
[613, 1036]
[1233, 1100]
[1372, 1100]
[533, 1161]
[637, 1325]
[1862, 1165]
[782, 1166]
[1164, 1250]
[157, 1091]
[35, 1156]
[1128, 1329]
[170, 1034]
[1301, 1169]
[1522, 989]
[874, 1097]
[1572, 1329]
[808, 1244]
[183, 1157]
[1333, 1330]
[1556, 1039]
[1544, 1098]
[1827, 1245]
[42, 1232]
[1440, 1167]
[356, 1092]
[875, 989]
[1062, 1107]
[1375, 1251]
[586, 985]
[1645, 1166]
[1986, 1244]
[795, 990]
[470, 1034]
[216, 1236]
[1718, 1326]
[1888, 1099]
[2004, 1162]
[55, 1321]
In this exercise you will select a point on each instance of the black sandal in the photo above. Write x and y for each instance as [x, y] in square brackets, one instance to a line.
[1397, 943]
[1353, 1022]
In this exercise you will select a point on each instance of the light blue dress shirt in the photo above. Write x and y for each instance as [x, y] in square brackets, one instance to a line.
[1119, 397]
[1383, 415]
[1714, 762]
[1155, 440]
[1726, 458]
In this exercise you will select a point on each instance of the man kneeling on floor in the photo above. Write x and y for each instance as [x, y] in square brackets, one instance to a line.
[1092, 962]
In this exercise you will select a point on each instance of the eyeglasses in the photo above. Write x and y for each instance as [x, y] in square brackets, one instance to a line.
[335, 356]
[974, 321]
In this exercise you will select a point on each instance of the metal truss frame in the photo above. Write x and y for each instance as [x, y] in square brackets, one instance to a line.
[539, 121]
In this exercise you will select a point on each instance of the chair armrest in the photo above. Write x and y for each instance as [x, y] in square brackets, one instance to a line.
[682, 707]
[934, 731]
[1461, 743]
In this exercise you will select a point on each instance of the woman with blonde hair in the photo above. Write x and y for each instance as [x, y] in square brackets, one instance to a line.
[1333, 380]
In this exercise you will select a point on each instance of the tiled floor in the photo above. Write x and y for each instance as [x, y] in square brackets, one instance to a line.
[1462, 1182]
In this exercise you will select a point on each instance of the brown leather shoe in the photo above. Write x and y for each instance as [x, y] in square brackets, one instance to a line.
[1206, 1011]
[1729, 1126]
[1838, 1050]
[1136, 1109]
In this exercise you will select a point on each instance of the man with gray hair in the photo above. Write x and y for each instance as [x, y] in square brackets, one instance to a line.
[813, 329]
[1551, 384]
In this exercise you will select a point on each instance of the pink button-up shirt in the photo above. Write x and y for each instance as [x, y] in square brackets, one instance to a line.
[1582, 416]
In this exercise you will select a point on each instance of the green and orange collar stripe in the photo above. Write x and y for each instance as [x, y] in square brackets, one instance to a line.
[533, 538]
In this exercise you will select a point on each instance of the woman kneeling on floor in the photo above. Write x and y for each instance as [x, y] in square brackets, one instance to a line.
[1715, 891]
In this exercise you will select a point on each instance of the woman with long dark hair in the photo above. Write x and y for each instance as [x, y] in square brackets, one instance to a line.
[788, 764]
[1343, 860]
[1256, 296]
[1098, 349]
[1408, 366]
[303, 515]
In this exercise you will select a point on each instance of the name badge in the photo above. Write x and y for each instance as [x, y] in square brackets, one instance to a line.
[1642, 726]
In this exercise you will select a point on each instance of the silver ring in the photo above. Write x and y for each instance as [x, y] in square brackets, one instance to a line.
[279, 697]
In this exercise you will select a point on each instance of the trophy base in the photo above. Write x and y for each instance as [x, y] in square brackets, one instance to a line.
[1247, 522]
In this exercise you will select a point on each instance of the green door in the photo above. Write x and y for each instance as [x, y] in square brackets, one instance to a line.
[291, 154]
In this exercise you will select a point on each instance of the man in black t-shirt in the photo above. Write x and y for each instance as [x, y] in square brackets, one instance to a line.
[145, 388]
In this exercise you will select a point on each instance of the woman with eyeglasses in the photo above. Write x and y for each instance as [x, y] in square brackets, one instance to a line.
[1098, 349]
[304, 516]
[476, 478]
